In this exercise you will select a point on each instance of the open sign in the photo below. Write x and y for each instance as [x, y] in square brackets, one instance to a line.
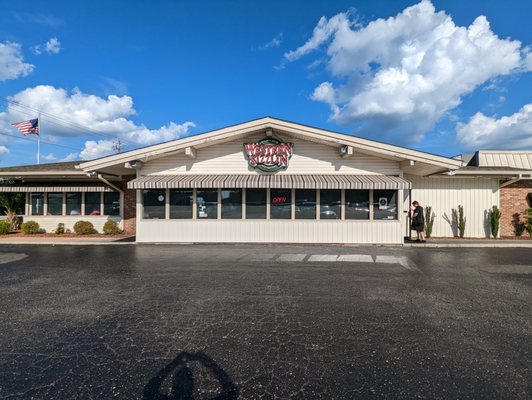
[279, 200]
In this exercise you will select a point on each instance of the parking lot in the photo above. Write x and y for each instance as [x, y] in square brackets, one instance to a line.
[264, 322]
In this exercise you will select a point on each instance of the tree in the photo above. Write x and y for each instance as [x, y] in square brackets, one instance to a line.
[528, 221]
[11, 203]
[495, 216]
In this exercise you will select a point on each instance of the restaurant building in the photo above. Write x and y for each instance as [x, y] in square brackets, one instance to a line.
[270, 180]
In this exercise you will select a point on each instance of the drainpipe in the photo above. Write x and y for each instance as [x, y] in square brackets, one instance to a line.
[513, 180]
[100, 177]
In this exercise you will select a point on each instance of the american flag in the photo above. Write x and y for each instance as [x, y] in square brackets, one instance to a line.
[28, 127]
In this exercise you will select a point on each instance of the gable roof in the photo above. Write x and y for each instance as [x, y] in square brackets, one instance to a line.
[61, 168]
[278, 126]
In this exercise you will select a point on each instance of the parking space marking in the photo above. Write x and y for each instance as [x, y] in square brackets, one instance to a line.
[323, 258]
[402, 261]
[291, 257]
[355, 258]
[259, 257]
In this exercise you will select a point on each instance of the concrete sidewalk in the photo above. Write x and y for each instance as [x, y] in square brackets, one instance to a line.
[61, 240]
[471, 243]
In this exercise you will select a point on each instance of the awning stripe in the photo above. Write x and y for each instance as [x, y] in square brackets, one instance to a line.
[50, 189]
[257, 181]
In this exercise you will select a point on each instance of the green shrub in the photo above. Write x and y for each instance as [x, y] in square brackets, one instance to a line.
[5, 227]
[528, 221]
[84, 228]
[60, 228]
[495, 217]
[458, 217]
[429, 221]
[30, 228]
[519, 226]
[111, 228]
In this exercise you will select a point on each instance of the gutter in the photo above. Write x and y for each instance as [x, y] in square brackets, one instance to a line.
[100, 177]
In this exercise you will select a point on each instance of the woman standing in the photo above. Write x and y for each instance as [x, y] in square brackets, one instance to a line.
[418, 222]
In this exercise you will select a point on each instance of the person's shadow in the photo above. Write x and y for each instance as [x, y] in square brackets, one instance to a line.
[183, 380]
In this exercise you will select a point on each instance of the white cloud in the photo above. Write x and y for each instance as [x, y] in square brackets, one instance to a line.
[94, 149]
[49, 157]
[53, 46]
[4, 150]
[71, 157]
[508, 132]
[275, 42]
[12, 65]
[37, 49]
[107, 116]
[397, 77]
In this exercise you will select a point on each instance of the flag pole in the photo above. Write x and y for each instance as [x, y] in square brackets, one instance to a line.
[39, 138]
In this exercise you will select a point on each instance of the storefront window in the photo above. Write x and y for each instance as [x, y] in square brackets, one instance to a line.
[181, 204]
[55, 204]
[232, 204]
[37, 204]
[384, 204]
[357, 204]
[256, 203]
[73, 203]
[111, 203]
[280, 203]
[18, 200]
[92, 203]
[154, 203]
[305, 204]
[330, 200]
[207, 203]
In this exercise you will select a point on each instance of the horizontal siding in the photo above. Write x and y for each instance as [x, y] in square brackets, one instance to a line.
[49, 223]
[476, 195]
[308, 158]
[384, 232]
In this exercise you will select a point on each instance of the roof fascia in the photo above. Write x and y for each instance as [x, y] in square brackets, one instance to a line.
[318, 134]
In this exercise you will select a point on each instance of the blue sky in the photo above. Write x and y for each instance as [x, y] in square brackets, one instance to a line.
[434, 76]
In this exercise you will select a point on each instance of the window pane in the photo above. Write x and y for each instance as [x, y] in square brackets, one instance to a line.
[281, 203]
[92, 203]
[232, 204]
[305, 204]
[18, 200]
[330, 200]
[37, 204]
[73, 204]
[55, 204]
[181, 204]
[385, 204]
[207, 203]
[357, 204]
[154, 203]
[256, 203]
[111, 203]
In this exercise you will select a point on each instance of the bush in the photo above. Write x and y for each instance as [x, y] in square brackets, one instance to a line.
[111, 228]
[495, 216]
[519, 227]
[429, 221]
[460, 220]
[60, 228]
[5, 227]
[30, 228]
[528, 221]
[84, 228]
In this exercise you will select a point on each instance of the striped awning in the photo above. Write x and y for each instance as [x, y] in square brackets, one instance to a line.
[49, 188]
[269, 181]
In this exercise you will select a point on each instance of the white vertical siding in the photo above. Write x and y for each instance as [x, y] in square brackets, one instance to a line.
[270, 231]
[476, 195]
[308, 158]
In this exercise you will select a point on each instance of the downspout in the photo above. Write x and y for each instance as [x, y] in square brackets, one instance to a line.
[513, 180]
[100, 177]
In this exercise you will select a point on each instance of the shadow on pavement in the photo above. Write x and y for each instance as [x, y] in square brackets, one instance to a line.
[181, 374]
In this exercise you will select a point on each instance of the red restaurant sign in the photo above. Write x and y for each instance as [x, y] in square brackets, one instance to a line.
[269, 154]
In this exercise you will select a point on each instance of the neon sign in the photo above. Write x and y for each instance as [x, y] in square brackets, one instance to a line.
[269, 154]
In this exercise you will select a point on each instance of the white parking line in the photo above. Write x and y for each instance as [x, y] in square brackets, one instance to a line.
[402, 261]
[323, 258]
[291, 257]
[355, 258]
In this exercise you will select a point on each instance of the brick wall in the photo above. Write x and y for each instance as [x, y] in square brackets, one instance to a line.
[130, 206]
[513, 200]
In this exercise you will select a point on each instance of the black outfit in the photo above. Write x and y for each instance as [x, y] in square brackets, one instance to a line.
[418, 222]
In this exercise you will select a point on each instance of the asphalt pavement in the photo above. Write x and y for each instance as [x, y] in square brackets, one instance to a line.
[264, 322]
